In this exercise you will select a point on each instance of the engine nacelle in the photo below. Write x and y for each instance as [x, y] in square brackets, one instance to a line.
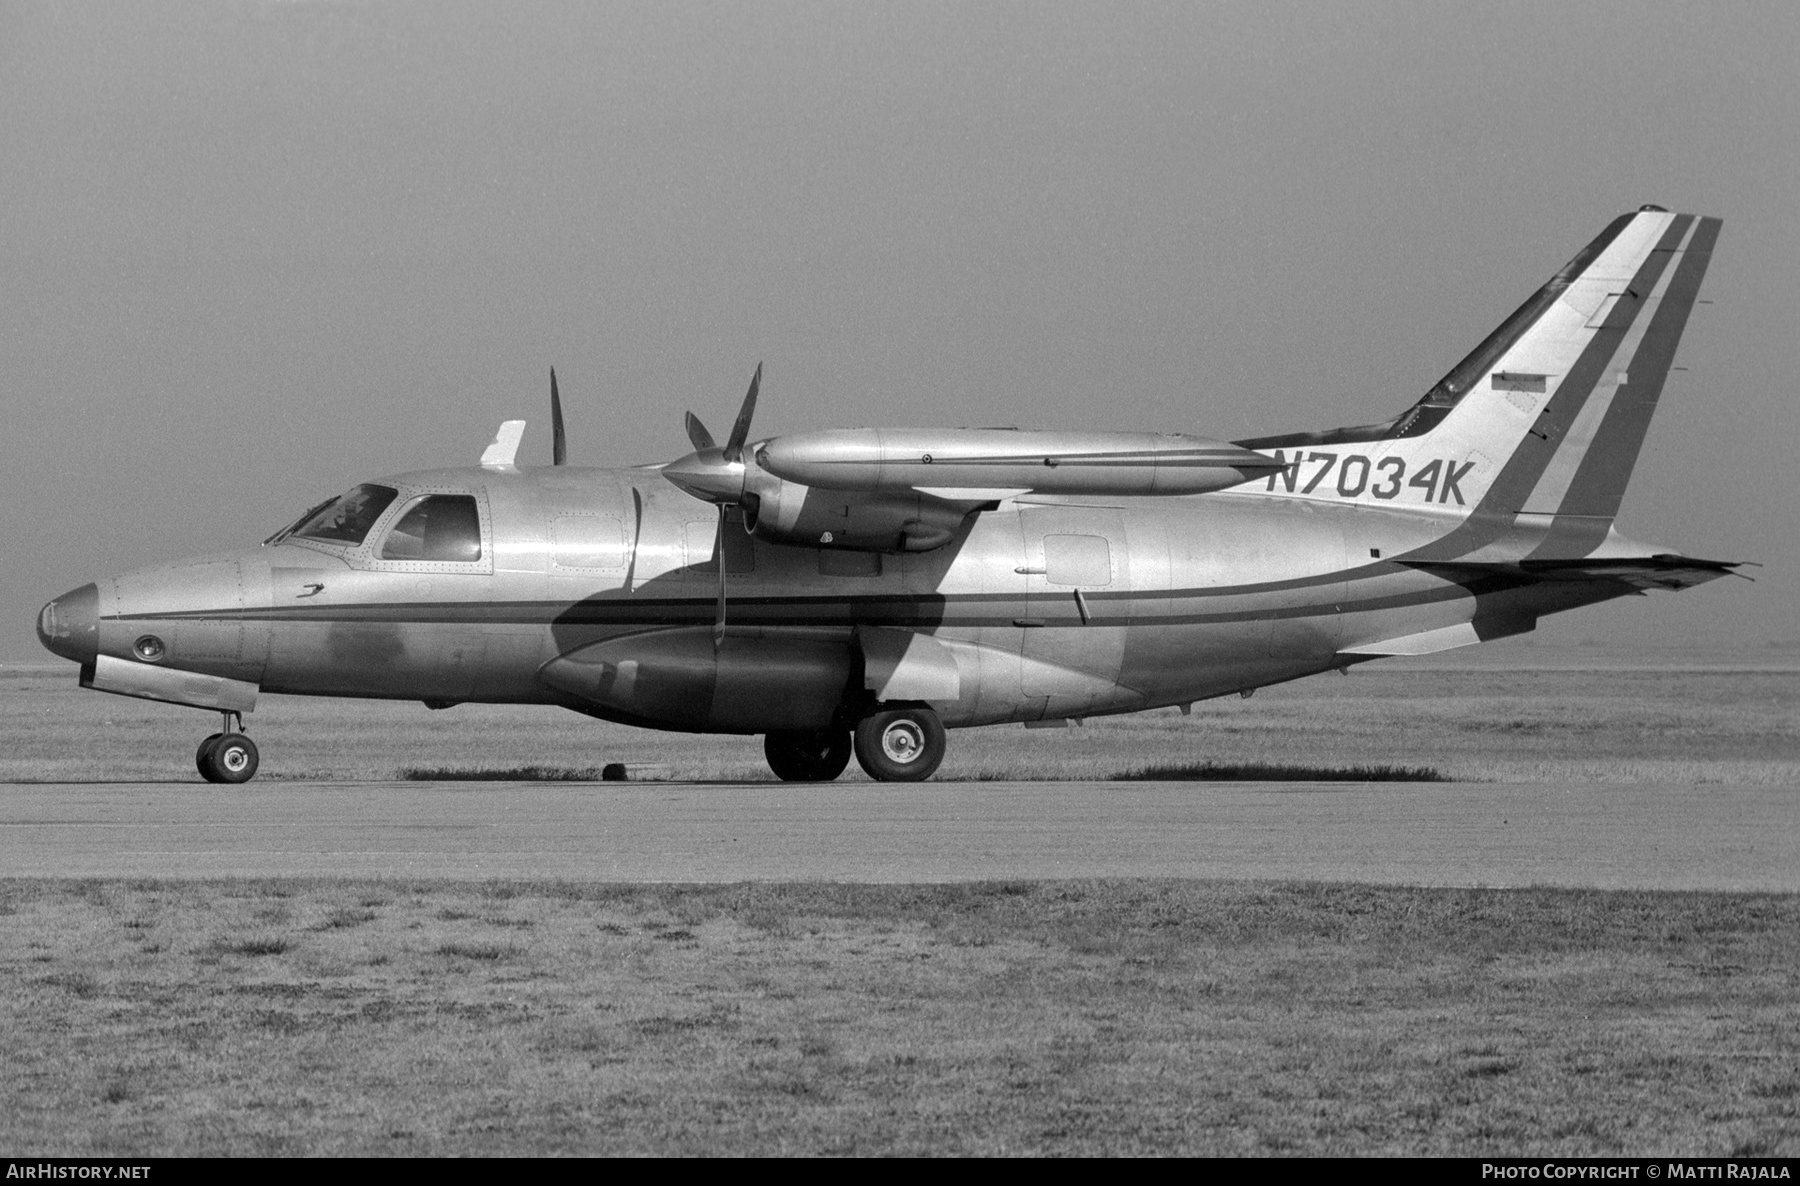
[886, 521]
[684, 679]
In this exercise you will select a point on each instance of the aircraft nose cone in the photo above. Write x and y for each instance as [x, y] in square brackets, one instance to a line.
[70, 625]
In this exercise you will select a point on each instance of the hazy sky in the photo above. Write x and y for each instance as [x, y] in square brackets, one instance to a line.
[253, 253]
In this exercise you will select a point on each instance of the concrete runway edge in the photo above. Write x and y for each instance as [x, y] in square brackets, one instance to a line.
[1613, 836]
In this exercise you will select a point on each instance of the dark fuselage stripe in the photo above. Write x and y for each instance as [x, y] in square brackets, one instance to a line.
[309, 612]
[869, 610]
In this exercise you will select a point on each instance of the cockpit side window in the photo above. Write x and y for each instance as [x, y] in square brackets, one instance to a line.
[437, 527]
[347, 518]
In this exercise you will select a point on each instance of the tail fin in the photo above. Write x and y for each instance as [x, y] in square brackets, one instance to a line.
[1545, 418]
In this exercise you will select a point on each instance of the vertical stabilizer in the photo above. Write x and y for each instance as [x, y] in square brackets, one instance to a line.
[1542, 422]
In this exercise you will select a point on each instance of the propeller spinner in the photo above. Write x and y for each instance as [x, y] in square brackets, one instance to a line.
[714, 473]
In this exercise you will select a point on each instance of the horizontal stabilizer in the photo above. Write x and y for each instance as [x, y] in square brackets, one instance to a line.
[1665, 571]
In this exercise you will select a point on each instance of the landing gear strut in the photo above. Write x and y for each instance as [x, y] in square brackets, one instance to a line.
[808, 756]
[228, 757]
[900, 744]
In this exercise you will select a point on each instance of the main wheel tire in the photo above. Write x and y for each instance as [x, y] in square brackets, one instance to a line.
[232, 759]
[807, 756]
[203, 756]
[900, 744]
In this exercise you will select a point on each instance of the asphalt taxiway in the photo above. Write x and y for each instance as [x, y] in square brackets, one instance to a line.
[1444, 834]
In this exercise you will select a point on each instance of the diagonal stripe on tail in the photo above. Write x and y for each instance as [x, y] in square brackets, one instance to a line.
[1569, 471]
[1586, 482]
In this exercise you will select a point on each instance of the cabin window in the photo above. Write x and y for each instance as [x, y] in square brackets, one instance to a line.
[439, 528]
[347, 518]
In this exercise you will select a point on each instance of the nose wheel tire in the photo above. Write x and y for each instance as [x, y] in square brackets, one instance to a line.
[227, 758]
[806, 756]
[900, 744]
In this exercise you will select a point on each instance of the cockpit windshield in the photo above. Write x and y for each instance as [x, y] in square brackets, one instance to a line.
[347, 518]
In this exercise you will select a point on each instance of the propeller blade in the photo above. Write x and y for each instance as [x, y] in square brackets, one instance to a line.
[719, 559]
[734, 448]
[697, 433]
[559, 446]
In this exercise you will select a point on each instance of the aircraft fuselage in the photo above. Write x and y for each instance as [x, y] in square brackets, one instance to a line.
[1051, 608]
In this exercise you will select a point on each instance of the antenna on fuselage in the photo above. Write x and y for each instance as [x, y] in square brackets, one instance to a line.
[559, 445]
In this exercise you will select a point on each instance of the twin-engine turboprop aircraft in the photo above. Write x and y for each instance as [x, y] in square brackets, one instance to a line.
[865, 589]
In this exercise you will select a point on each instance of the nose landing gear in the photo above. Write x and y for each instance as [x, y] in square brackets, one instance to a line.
[230, 756]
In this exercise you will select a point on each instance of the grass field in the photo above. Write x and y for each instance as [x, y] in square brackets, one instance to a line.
[1087, 1018]
[1693, 723]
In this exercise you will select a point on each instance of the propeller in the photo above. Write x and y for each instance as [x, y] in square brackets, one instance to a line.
[719, 563]
[697, 433]
[716, 474]
[734, 448]
[559, 445]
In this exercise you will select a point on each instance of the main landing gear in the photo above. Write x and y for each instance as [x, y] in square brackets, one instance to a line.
[899, 743]
[808, 757]
[228, 757]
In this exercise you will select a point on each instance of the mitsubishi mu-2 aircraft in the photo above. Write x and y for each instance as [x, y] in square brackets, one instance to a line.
[863, 590]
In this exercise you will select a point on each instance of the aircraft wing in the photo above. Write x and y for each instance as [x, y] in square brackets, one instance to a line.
[1666, 571]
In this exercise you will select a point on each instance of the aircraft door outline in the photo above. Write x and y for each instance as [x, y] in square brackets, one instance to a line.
[1075, 562]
